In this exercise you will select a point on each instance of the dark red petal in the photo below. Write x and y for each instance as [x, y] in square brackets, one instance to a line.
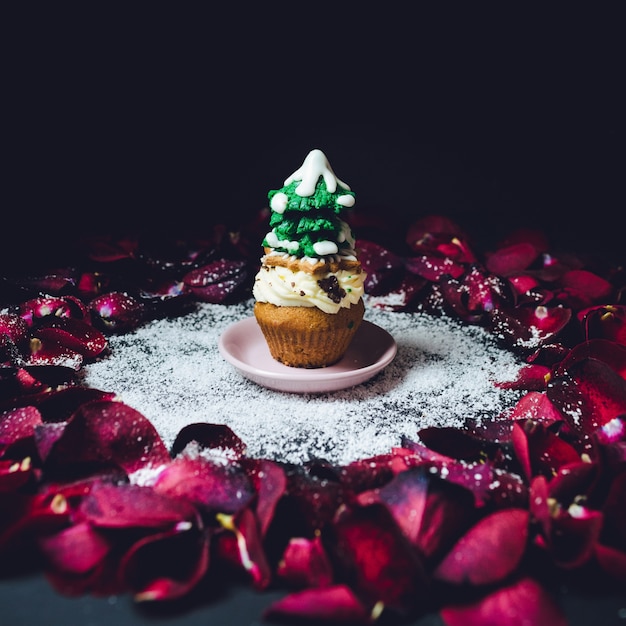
[587, 284]
[536, 406]
[611, 561]
[336, 605]
[212, 487]
[109, 432]
[15, 474]
[489, 551]
[615, 513]
[573, 539]
[527, 328]
[14, 327]
[432, 512]
[73, 334]
[76, 549]
[512, 259]
[605, 322]
[17, 424]
[380, 560]
[270, 483]
[433, 268]
[382, 267]
[48, 351]
[522, 603]
[116, 311]
[609, 352]
[216, 281]
[166, 566]
[531, 377]
[124, 505]
[589, 394]
[305, 564]
[209, 436]
[246, 546]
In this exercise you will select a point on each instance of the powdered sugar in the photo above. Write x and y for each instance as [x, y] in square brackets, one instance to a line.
[171, 371]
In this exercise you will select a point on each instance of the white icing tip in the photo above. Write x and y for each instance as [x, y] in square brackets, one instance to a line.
[315, 165]
[278, 203]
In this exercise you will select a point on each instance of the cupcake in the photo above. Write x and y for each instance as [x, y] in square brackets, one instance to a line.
[309, 290]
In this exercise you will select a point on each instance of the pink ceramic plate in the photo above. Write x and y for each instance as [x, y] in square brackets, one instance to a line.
[242, 344]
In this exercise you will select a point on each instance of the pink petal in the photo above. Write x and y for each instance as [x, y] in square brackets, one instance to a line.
[520, 604]
[337, 605]
[489, 551]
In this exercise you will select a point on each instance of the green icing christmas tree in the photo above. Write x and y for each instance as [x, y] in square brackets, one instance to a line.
[306, 212]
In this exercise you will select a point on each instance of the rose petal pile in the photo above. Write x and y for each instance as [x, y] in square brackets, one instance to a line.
[477, 523]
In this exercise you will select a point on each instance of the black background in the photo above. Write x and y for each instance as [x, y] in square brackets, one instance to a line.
[169, 119]
[160, 119]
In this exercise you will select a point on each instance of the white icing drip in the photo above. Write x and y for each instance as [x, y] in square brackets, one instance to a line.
[346, 200]
[278, 203]
[315, 165]
[325, 247]
[274, 242]
[345, 255]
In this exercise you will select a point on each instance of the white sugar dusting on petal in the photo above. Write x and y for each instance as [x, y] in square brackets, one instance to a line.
[172, 372]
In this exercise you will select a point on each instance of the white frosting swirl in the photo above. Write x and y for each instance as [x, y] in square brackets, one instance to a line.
[284, 287]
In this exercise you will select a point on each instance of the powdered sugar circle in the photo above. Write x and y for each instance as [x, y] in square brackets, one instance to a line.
[171, 371]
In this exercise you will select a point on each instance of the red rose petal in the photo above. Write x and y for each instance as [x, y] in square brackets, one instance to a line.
[527, 328]
[489, 551]
[512, 259]
[380, 559]
[76, 549]
[165, 566]
[212, 487]
[109, 432]
[337, 605]
[75, 335]
[433, 268]
[216, 281]
[589, 394]
[124, 506]
[519, 604]
[246, 546]
[586, 283]
[305, 564]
